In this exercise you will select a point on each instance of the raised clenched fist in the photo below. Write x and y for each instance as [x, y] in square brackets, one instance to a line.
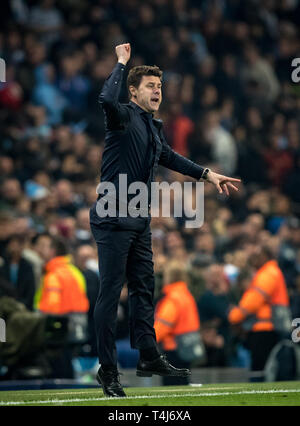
[123, 53]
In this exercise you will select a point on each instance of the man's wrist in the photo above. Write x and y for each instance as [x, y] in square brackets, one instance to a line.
[205, 173]
[122, 61]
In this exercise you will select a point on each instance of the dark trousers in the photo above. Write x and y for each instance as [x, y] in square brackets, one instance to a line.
[125, 254]
[260, 344]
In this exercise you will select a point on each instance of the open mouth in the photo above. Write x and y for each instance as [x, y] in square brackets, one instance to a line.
[155, 100]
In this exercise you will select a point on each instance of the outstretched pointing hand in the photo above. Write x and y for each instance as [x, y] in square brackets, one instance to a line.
[222, 182]
[123, 52]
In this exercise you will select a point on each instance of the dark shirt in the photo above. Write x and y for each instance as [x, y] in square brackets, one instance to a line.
[134, 141]
[213, 306]
[24, 281]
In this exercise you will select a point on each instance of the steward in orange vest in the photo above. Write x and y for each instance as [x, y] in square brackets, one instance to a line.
[176, 315]
[264, 308]
[257, 307]
[63, 294]
[63, 288]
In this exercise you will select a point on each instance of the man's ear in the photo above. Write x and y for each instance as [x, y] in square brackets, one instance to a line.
[133, 91]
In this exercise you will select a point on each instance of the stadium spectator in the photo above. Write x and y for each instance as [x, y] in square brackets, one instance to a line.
[18, 271]
[83, 231]
[213, 307]
[33, 253]
[45, 93]
[63, 290]
[223, 149]
[23, 354]
[11, 193]
[83, 256]
[67, 199]
[63, 295]
[176, 316]
[259, 73]
[264, 310]
[46, 20]
[289, 245]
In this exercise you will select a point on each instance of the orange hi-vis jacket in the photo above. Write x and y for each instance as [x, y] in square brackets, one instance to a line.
[266, 290]
[175, 314]
[63, 289]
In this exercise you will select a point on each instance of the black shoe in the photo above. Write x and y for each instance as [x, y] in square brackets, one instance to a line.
[161, 367]
[110, 382]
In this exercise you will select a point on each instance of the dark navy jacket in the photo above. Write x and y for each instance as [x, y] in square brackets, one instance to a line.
[134, 141]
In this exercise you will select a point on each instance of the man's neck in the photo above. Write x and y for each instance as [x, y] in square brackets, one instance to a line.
[134, 102]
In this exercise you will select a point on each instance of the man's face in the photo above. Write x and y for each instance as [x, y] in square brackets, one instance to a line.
[83, 254]
[15, 247]
[257, 258]
[44, 249]
[148, 95]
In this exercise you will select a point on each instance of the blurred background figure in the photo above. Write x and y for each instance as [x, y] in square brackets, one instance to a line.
[177, 323]
[23, 355]
[18, 271]
[213, 307]
[83, 257]
[63, 293]
[63, 288]
[264, 310]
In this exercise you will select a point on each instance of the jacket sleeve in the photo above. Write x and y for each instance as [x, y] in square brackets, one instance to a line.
[165, 319]
[250, 303]
[174, 161]
[255, 297]
[115, 113]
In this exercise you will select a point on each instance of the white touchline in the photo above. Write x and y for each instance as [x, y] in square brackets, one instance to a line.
[92, 392]
[63, 401]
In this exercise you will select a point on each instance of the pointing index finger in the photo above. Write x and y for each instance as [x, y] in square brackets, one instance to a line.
[233, 179]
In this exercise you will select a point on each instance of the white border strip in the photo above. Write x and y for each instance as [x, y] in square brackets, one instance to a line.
[62, 401]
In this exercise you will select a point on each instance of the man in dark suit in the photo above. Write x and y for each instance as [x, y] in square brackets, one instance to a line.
[134, 147]
[18, 271]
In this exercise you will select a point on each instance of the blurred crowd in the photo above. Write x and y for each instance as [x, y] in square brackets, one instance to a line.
[228, 103]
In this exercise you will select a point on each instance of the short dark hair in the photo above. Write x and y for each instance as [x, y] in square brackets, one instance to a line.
[267, 251]
[38, 235]
[59, 246]
[136, 74]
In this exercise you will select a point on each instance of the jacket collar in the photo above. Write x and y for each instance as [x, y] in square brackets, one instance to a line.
[174, 286]
[57, 262]
[138, 108]
[156, 121]
[270, 263]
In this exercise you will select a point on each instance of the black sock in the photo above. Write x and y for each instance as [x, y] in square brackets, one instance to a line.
[149, 354]
[109, 367]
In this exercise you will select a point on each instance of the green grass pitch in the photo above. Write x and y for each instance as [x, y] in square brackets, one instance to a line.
[280, 393]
